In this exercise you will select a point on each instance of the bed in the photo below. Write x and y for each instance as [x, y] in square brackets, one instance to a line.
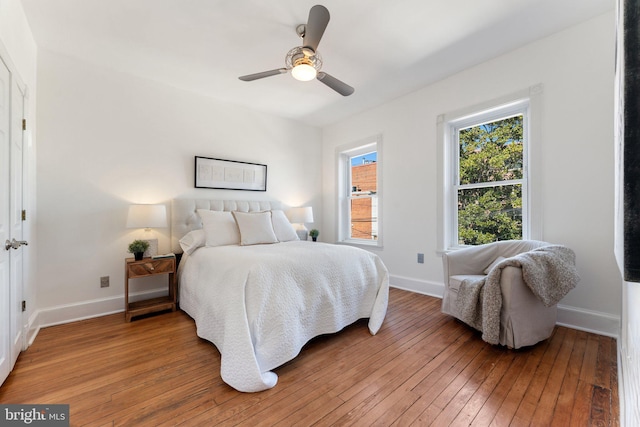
[260, 295]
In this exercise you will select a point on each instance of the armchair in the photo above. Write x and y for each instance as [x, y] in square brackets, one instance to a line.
[524, 319]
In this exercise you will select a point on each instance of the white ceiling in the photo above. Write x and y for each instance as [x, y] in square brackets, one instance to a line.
[384, 49]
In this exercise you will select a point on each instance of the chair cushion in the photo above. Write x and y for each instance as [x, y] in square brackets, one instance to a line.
[455, 281]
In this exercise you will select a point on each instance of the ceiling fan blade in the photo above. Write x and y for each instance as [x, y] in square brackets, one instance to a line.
[256, 76]
[335, 84]
[317, 23]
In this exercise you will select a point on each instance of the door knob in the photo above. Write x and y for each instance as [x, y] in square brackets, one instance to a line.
[15, 244]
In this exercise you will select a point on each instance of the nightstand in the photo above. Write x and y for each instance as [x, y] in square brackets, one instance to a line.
[144, 268]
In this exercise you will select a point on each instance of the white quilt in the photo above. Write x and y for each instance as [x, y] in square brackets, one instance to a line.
[261, 304]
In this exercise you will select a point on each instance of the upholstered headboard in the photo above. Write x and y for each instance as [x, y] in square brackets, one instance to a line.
[184, 215]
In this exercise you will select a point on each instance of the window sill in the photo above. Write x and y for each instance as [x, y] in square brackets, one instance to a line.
[368, 244]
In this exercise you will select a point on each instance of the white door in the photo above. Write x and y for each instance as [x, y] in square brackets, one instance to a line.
[11, 245]
[6, 363]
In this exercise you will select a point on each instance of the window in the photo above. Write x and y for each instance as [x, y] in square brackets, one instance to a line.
[486, 185]
[359, 195]
[490, 180]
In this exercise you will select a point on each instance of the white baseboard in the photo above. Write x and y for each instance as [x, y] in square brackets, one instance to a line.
[68, 313]
[571, 317]
[424, 287]
[589, 320]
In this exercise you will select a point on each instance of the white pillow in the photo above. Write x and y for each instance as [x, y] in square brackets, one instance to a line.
[220, 229]
[493, 264]
[282, 227]
[192, 241]
[255, 228]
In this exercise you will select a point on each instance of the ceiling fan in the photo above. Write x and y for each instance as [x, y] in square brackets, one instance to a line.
[304, 61]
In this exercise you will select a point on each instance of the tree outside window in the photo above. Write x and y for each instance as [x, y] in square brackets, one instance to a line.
[490, 181]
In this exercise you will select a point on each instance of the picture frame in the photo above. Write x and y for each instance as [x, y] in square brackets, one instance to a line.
[229, 174]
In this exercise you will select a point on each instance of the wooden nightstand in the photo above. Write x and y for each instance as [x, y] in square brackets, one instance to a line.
[149, 267]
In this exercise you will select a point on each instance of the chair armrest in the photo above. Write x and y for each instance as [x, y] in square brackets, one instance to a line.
[472, 260]
[511, 283]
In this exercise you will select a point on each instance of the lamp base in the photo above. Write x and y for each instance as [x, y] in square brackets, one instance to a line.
[152, 250]
[303, 234]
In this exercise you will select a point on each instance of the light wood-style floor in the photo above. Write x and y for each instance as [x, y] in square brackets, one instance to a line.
[422, 368]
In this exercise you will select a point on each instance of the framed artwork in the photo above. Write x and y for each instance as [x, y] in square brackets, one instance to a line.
[230, 174]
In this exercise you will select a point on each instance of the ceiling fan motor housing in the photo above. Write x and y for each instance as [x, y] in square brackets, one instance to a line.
[300, 55]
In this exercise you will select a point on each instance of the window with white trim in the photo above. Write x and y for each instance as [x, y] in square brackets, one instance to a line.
[359, 193]
[486, 178]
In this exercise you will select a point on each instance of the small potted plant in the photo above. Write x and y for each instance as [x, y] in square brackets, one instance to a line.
[314, 234]
[137, 248]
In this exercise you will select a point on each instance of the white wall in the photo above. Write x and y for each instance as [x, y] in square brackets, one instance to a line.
[16, 37]
[18, 49]
[576, 69]
[110, 139]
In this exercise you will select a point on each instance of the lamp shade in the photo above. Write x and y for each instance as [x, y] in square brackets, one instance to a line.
[300, 215]
[147, 216]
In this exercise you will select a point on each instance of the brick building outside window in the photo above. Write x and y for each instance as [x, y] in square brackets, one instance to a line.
[364, 206]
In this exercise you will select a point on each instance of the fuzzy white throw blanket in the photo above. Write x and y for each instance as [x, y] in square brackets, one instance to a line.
[549, 272]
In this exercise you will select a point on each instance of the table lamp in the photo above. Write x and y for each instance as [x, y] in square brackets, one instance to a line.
[298, 217]
[148, 217]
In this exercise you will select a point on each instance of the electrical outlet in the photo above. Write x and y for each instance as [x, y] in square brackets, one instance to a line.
[104, 282]
[420, 258]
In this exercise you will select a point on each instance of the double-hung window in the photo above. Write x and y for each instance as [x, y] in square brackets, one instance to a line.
[486, 175]
[359, 193]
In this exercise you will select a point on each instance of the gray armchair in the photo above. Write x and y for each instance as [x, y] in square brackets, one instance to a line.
[524, 319]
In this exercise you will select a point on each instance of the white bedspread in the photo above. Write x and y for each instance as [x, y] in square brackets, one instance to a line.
[260, 304]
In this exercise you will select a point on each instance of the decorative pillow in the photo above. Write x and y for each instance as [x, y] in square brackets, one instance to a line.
[192, 241]
[255, 228]
[282, 227]
[493, 264]
[220, 229]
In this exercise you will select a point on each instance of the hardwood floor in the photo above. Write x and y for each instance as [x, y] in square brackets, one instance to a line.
[422, 368]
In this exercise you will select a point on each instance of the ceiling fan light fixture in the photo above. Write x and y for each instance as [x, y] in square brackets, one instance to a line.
[304, 72]
[303, 67]
[304, 61]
